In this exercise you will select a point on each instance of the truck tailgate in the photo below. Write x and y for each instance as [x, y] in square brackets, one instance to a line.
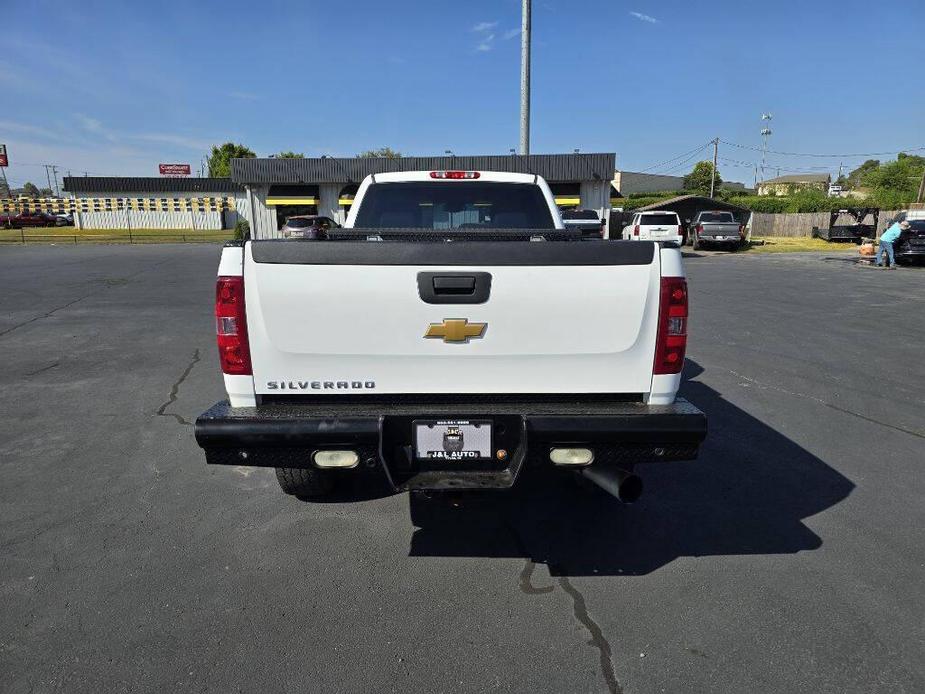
[560, 317]
[729, 230]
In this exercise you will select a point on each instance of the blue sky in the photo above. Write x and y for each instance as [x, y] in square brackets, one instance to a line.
[115, 88]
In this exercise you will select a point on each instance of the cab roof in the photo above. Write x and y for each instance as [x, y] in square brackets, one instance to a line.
[491, 176]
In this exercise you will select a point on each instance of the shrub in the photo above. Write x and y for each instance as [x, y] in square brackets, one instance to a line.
[242, 230]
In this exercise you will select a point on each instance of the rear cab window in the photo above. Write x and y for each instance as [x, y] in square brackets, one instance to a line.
[581, 214]
[716, 217]
[464, 205]
[659, 219]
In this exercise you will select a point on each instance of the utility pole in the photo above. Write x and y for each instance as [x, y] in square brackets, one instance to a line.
[48, 175]
[713, 175]
[9, 191]
[54, 170]
[525, 78]
[921, 196]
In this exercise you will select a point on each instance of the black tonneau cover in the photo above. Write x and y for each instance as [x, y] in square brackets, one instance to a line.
[462, 253]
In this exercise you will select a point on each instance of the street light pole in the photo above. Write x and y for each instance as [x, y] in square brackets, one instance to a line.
[525, 79]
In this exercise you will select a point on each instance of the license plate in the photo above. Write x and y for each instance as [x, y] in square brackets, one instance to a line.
[452, 439]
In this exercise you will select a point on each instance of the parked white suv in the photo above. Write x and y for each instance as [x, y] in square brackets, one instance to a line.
[657, 225]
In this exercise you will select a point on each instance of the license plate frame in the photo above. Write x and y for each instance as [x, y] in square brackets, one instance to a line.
[435, 440]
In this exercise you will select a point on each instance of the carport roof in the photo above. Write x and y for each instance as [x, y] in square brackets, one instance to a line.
[148, 184]
[552, 167]
[701, 202]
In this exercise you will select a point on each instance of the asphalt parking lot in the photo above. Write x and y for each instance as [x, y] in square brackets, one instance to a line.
[789, 558]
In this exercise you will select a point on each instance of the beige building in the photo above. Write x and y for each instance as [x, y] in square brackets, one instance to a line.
[785, 185]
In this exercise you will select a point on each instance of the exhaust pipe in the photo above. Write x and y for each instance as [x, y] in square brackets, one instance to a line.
[624, 485]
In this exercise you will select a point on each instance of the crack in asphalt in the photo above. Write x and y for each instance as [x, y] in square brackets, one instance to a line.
[48, 314]
[598, 640]
[106, 285]
[174, 389]
[579, 608]
[526, 580]
[768, 386]
[43, 369]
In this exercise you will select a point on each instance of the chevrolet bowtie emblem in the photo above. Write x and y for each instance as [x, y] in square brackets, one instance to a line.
[456, 330]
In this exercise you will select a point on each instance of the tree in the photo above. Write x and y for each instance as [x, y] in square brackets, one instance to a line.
[288, 155]
[897, 180]
[30, 189]
[382, 153]
[857, 175]
[220, 158]
[699, 178]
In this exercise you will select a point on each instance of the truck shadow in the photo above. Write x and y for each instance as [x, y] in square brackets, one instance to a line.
[747, 494]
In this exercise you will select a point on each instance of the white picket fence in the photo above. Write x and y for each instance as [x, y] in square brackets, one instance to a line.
[152, 219]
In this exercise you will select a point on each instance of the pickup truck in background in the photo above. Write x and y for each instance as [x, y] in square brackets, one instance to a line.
[716, 228]
[657, 225]
[588, 222]
[454, 335]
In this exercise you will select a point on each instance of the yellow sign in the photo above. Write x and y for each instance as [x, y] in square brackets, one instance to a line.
[456, 330]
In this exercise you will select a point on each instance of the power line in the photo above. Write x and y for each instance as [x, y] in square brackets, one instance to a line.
[693, 152]
[682, 164]
[807, 154]
[770, 165]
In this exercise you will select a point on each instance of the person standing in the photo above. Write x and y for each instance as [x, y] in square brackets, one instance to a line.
[887, 240]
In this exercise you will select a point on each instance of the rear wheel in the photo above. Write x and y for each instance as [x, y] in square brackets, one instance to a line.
[304, 483]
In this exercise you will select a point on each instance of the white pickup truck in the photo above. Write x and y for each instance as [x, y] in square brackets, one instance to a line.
[453, 335]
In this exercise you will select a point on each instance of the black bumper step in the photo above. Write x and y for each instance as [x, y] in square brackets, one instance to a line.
[285, 434]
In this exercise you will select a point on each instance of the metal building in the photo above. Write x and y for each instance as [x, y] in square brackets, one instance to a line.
[275, 189]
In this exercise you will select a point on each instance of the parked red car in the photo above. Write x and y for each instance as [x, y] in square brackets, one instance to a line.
[8, 221]
[34, 219]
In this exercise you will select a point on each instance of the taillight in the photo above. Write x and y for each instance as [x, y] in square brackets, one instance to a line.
[455, 174]
[672, 326]
[231, 326]
[636, 230]
[742, 230]
[699, 228]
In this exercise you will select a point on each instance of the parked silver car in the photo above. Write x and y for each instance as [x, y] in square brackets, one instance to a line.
[308, 227]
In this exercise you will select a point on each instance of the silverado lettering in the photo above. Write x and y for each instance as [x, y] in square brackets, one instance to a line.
[319, 385]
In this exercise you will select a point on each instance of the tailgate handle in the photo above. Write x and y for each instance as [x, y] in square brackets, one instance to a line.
[454, 287]
[454, 284]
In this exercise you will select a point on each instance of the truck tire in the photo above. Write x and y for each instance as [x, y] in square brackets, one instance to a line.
[304, 483]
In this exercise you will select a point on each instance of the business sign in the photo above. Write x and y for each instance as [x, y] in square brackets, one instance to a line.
[174, 169]
[3, 160]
